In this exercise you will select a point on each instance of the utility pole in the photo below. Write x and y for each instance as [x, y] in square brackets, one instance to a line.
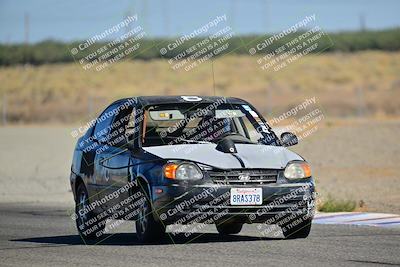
[26, 40]
[26, 26]
[266, 17]
[362, 22]
[128, 28]
[144, 15]
[232, 13]
[166, 17]
[213, 75]
[269, 100]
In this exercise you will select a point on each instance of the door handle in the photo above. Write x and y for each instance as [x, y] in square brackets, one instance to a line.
[107, 175]
[102, 162]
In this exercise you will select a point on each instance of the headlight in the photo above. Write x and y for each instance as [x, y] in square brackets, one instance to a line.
[183, 171]
[297, 170]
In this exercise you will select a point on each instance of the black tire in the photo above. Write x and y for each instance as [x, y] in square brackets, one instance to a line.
[229, 228]
[147, 228]
[301, 230]
[89, 225]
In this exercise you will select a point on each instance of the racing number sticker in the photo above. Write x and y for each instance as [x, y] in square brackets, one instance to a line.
[191, 98]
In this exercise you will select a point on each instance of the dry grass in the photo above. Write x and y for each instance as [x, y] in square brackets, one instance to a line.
[331, 204]
[61, 92]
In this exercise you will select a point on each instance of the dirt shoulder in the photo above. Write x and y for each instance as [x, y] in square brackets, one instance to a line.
[357, 160]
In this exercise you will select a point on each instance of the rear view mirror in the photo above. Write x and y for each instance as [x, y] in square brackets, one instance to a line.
[289, 139]
[165, 115]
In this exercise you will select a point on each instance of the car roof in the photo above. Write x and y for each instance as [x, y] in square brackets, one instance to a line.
[158, 100]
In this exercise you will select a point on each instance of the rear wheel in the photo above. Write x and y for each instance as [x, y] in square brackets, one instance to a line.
[300, 230]
[89, 226]
[229, 228]
[147, 228]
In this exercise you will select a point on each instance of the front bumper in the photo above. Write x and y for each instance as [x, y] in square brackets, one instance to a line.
[210, 203]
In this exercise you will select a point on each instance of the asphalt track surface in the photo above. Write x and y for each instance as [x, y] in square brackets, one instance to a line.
[37, 235]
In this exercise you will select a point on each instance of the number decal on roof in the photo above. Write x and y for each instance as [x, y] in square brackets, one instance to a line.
[191, 98]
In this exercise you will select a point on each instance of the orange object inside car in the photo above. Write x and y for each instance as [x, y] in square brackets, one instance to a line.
[144, 127]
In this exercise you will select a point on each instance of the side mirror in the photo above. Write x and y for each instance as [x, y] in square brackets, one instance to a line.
[289, 139]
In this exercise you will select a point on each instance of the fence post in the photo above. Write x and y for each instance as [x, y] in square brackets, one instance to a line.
[4, 110]
[90, 105]
[269, 101]
[361, 102]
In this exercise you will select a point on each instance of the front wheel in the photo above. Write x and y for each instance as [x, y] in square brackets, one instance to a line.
[300, 230]
[229, 228]
[147, 228]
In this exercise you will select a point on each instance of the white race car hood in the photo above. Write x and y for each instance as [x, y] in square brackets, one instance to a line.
[253, 156]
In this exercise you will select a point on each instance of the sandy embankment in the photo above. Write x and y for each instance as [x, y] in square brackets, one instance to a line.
[35, 164]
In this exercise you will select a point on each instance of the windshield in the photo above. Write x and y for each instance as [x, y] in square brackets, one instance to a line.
[181, 124]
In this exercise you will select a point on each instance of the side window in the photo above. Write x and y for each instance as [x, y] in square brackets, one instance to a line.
[119, 126]
[130, 128]
[253, 134]
[103, 125]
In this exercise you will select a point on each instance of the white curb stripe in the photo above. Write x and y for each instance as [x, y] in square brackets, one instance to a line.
[358, 218]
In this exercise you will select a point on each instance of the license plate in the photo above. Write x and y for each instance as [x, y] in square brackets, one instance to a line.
[246, 196]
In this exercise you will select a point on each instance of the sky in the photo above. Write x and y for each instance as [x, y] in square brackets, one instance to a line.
[79, 20]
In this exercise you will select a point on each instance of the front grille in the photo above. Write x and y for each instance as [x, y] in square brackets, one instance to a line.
[243, 177]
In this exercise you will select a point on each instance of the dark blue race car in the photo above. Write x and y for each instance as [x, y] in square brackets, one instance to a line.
[182, 160]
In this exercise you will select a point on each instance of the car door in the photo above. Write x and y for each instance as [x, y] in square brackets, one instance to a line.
[114, 161]
[101, 153]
